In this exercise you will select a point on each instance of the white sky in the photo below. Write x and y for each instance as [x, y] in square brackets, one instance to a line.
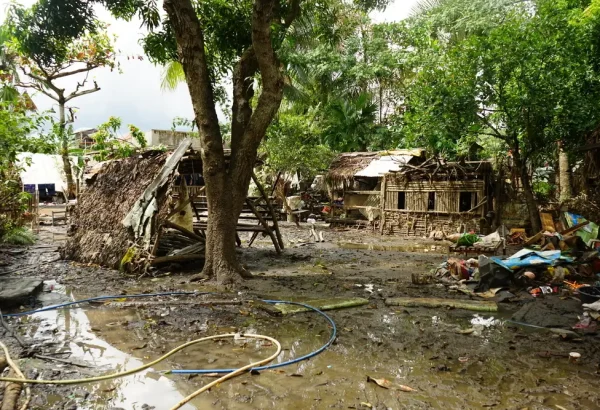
[135, 95]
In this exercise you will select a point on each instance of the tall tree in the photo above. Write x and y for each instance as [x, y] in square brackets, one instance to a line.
[44, 58]
[210, 39]
[527, 81]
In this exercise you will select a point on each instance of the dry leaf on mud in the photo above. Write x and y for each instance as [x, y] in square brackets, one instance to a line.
[386, 384]
[402, 387]
[366, 405]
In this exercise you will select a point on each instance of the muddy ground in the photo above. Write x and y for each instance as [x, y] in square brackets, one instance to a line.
[453, 358]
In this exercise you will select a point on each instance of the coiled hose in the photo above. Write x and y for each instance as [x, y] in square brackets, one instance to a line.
[260, 365]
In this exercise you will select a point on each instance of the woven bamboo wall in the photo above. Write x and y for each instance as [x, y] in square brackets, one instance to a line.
[447, 194]
[415, 219]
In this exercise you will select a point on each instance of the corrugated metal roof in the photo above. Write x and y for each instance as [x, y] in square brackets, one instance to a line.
[384, 164]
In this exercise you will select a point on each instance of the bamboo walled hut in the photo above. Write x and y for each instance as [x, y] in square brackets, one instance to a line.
[408, 194]
[356, 178]
[451, 197]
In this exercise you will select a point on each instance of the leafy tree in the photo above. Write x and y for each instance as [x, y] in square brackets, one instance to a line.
[292, 146]
[108, 144]
[210, 39]
[16, 129]
[528, 82]
[45, 56]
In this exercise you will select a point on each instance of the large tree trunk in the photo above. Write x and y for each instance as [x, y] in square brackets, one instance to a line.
[227, 184]
[532, 208]
[564, 175]
[64, 151]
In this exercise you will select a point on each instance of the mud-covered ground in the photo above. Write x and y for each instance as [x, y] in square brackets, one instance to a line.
[453, 358]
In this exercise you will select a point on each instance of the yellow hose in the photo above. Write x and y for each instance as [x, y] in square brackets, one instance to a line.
[138, 369]
[234, 373]
[19, 373]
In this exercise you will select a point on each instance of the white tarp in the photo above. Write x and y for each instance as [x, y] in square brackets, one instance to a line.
[384, 164]
[43, 169]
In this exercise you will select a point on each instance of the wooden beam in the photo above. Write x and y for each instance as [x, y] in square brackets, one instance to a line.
[270, 208]
[265, 225]
[177, 258]
[183, 230]
[574, 228]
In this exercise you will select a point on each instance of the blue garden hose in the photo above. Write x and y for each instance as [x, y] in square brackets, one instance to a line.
[275, 366]
[61, 305]
[202, 371]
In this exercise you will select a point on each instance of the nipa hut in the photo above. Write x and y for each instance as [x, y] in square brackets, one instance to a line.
[354, 179]
[437, 196]
[147, 210]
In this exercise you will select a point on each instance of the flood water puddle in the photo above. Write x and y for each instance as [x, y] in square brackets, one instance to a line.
[422, 349]
[78, 333]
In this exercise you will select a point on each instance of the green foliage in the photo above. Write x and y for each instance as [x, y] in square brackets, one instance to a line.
[543, 190]
[292, 146]
[527, 80]
[109, 145]
[350, 124]
[18, 236]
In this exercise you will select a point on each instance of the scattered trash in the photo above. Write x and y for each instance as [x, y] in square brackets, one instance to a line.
[386, 384]
[574, 357]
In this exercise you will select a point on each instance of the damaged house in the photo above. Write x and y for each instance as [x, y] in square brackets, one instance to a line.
[149, 209]
[437, 196]
[409, 194]
[354, 180]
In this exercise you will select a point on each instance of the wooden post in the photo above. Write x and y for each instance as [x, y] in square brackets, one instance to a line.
[264, 224]
[382, 203]
[270, 208]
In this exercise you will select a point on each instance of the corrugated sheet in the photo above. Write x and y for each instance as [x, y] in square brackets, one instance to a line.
[382, 165]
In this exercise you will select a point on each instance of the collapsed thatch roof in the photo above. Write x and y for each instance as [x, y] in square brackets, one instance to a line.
[97, 234]
[346, 165]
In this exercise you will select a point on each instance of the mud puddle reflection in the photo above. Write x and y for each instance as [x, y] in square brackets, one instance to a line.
[78, 333]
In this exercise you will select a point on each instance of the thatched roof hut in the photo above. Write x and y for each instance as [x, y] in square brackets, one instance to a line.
[347, 166]
[97, 234]
[120, 218]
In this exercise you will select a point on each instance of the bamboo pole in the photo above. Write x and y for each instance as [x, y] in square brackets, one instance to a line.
[322, 304]
[477, 306]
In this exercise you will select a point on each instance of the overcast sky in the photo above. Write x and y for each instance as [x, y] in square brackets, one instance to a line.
[135, 94]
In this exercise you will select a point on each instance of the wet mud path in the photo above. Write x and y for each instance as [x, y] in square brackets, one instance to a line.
[453, 359]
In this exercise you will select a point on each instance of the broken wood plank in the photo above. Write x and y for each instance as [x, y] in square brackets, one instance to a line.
[184, 231]
[177, 258]
[267, 307]
[474, 305]
[534, 239]
[547, 222]
[321, 304]
[574, 228]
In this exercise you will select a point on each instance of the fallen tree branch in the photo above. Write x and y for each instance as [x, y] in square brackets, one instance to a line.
[65, 361]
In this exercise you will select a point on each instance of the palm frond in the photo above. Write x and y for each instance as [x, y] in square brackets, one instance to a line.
[172, 76]
[425, 6]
